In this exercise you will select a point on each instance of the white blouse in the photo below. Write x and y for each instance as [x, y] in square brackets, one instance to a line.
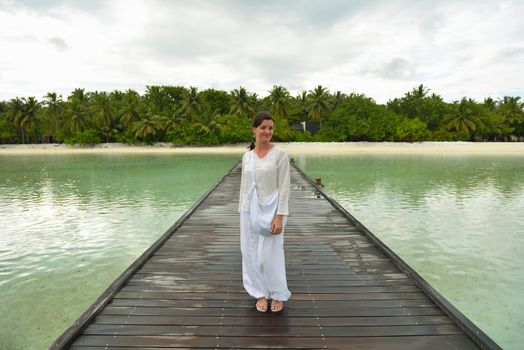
[272, 172]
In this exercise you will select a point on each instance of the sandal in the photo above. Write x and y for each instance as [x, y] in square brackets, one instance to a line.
[261, 304]
[277, 306]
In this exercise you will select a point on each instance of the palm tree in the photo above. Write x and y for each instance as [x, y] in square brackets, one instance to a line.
[319, 103]
[77, 112]
[279, 101]
[511, 109]
[462, 118]
[490, 103]
[338, 98]
[436, 97]
[54, 107]
[242, 103]
[191, 103]
[77, 116]
[109, 132]
[162, 98]
[174, 121]
[419, 92]
[255, 101]
[147, 127]
[13, 113]
[302, 102]
[116, 96]
[22, 114]
[208, 121]
[102, 110]
[130, 108]
[27, 120]
[79, 95]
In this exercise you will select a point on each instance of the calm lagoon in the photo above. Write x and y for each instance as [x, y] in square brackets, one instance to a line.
[72, 223]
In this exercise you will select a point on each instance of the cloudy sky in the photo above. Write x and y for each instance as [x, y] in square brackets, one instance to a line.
[380, 48]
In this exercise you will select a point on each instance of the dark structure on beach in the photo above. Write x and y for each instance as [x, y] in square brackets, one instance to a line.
[310, 126]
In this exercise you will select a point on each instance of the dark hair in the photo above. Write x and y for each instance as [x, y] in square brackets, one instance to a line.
[258, 118]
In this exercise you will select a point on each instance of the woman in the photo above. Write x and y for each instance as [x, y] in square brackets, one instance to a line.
[263, 263]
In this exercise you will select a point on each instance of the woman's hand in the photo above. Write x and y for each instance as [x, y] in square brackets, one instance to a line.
[276, 226]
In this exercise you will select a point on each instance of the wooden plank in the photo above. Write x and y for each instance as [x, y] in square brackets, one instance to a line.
[243, 303]
[441, 342]
[165, 281]
[296, 296]
[318, 290]
[251, 312]
[270, 321]
[448, 342]
[200, 342]
[299, 277]
[272, 331]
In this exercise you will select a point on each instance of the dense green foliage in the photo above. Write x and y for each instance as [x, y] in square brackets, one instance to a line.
[186, 116]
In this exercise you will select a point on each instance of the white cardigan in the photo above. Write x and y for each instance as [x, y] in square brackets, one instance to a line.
[272, 173]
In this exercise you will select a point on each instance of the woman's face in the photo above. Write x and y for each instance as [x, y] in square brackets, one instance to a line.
[264, 131]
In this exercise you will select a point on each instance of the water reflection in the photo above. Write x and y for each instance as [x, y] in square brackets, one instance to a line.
[423, 174]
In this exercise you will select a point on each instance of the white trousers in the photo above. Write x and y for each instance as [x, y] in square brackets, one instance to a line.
[263, 262]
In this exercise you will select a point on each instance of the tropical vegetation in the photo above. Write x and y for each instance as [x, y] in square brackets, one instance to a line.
[187, 116]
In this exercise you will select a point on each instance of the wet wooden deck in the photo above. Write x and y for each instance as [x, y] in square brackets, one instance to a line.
[349, 290]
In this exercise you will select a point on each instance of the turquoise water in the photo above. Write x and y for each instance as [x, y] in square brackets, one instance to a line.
[73, 223]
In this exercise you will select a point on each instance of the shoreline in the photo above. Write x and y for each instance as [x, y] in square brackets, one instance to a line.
[325, 148]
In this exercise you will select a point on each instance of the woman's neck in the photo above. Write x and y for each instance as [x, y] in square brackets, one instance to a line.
[266, 146]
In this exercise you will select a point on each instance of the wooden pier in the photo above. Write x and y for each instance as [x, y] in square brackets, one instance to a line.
[349, 291]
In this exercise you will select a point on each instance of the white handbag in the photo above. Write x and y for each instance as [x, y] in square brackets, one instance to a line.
[262, 213]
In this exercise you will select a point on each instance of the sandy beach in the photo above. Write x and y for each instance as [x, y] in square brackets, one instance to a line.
[429, 148]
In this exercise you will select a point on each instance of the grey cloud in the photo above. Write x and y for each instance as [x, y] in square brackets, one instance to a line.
[228, 37]
[300, 12]
[48, 4]
[188, 32]
[47, 7]
[306, 13]
[39, 4]
[513, 54]
[429, 25]
[58, 43]
[396, 69]
[279, 70]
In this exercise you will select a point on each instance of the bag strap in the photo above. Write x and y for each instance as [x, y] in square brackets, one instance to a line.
[253, 168]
